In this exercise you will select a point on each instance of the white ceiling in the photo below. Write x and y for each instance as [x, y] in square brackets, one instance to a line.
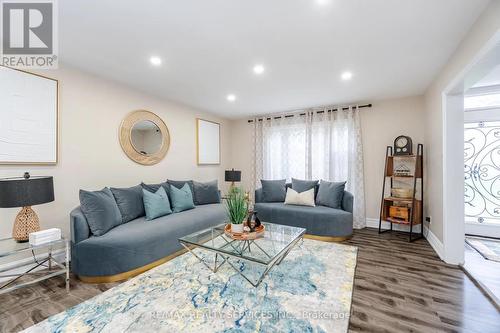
[393, 47]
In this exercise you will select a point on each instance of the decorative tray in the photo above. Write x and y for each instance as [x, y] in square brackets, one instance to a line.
[246, 235]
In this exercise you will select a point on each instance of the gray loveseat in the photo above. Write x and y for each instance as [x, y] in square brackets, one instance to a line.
[323, 222]
[135, 244]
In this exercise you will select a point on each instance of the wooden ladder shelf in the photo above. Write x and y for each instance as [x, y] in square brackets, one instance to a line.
[405, 211]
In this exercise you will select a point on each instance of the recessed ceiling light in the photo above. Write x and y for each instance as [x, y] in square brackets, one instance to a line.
[155, 61]
[231, 97]
[346, 76]
[258, 69]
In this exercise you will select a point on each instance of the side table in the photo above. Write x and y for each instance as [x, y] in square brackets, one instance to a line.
[9, 248]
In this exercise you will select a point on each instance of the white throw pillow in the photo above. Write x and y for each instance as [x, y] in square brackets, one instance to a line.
[305, 198]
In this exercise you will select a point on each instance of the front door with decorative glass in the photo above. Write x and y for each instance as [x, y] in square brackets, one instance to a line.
[482, 178]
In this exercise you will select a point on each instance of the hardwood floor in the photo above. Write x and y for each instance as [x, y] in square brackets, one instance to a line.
[399, 287]
[405, 287]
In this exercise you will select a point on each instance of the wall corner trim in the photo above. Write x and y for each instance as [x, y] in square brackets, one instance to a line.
[436, 244]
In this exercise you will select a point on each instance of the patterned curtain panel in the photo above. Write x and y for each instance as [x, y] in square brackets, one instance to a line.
[312, 145]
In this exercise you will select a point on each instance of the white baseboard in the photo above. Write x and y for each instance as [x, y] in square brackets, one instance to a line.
[436, 244]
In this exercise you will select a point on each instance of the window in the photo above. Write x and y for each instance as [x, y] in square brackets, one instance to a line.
[285, 152]
[486, 97]
[316, 148]
[312, 145]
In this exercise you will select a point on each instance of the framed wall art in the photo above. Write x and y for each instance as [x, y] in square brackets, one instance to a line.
[28, 118]
[207, 142]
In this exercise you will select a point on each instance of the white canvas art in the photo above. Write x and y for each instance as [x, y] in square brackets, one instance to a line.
[208, 137]
[28, 118]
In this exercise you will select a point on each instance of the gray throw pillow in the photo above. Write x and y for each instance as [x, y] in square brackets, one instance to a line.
[130, 202]
[330, 194]
[273, 190]
[303, 185]
[179, 184]
[206, 193]
[154, 187]
[100, 210]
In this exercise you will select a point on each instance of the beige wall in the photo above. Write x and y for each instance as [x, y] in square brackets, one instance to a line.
[90, 156]
[380, 125]
[484, 28]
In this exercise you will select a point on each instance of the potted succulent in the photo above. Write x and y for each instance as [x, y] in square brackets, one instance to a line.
[237, 209]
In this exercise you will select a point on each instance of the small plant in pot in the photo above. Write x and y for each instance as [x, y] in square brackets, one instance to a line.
[237, 209]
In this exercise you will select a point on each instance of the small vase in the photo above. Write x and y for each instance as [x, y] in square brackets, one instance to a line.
[255, 220]
[237, 228]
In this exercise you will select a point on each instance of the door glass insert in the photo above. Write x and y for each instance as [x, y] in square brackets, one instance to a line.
[482, 172]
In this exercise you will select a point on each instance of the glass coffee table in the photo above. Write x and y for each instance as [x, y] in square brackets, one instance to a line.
[267, 251]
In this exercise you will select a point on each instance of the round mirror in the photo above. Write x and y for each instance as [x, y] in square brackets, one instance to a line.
[144, 137]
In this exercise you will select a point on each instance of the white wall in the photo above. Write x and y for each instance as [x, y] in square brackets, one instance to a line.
[90, 156]
[484, 28]
[380, 125]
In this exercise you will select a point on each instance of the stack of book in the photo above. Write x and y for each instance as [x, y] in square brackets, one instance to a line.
[44, 236]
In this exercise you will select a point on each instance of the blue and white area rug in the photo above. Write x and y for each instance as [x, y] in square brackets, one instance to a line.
[310, 291]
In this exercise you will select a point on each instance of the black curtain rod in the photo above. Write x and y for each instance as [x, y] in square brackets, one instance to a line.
[321, 111]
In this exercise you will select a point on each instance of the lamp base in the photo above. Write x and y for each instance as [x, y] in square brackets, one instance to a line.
[26, 222]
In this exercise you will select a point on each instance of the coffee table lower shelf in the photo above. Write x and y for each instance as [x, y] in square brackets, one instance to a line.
[52, 267]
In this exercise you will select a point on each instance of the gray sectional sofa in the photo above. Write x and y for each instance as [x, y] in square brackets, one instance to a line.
[323, 222]
[106, 252]
[136, 243]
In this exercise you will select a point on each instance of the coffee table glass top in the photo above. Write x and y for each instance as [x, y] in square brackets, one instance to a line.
[276, 240]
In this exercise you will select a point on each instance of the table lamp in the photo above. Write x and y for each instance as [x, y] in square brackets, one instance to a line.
[232, 176]
[25, 192]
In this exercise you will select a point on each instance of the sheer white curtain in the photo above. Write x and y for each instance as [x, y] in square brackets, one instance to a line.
[312, 145]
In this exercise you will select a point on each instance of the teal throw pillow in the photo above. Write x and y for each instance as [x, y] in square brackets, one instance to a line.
[156, 204]
[182, 199]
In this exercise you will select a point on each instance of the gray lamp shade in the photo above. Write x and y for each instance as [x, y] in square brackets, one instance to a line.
[233, 176]
[21, 192]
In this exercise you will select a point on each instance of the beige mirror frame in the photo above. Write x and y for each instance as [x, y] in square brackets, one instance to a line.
[126, 137]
